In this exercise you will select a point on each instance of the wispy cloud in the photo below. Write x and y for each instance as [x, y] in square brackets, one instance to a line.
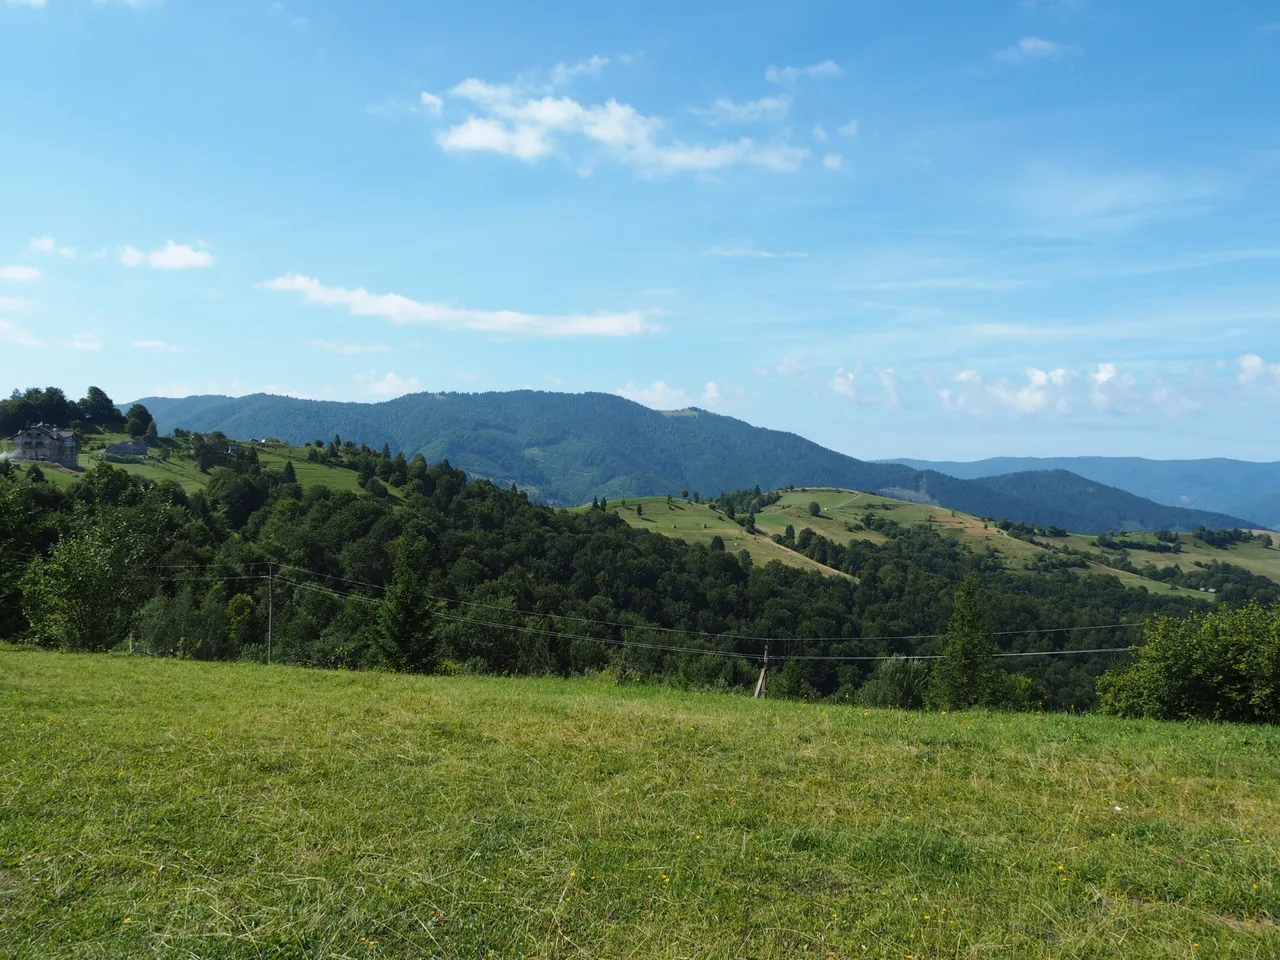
[155, 345]
[387, 385]
[85, 341]
[725, 112]
[26, 3]
[1069, 201]
[172, 256]
[849, 129]
[789, 75]
[14, 303]
[46, 244]
[348, 349]
[1030, 49]
[833, 161]
[562, 74]
[19, 274]
[403, 310]
[753, 253]
[513, 120]
[12, 333]
[660, 396]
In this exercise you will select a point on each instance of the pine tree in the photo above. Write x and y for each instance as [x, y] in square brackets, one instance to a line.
[289, 475]
[967, 675]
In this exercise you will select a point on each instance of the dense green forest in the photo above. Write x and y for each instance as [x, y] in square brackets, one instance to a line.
[467, 575]
[564, 449]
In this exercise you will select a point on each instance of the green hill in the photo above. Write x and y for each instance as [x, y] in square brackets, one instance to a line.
[156, 807]
[566, 448]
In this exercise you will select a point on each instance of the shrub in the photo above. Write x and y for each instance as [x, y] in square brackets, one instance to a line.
[1221, 665]
[900, 682]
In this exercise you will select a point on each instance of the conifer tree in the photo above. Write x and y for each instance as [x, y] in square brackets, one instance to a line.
[966, 676]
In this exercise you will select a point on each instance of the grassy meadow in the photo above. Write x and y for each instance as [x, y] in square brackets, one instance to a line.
[177, 809]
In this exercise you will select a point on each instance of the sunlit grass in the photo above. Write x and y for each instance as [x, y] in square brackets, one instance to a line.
[159, 808]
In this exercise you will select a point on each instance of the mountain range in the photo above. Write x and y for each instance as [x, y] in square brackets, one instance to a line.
[564, 449]
[1238, 487]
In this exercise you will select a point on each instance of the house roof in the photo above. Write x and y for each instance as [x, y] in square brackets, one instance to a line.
[52, 433]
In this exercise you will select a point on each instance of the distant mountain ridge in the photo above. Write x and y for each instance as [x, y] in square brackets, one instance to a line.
[1241, 487]
[566, 448]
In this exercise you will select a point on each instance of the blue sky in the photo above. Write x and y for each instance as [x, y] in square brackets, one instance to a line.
[900, 229]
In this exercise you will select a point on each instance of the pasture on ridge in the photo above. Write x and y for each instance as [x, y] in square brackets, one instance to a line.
[174, 808]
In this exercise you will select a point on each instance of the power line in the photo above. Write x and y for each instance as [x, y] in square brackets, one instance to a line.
[704, 633]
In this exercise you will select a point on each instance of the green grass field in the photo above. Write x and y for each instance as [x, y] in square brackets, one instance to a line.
[174, 462]
[173, 809]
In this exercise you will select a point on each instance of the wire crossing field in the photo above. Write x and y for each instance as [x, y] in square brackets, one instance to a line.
[165, 808]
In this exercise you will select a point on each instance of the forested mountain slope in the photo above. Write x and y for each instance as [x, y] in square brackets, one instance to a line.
[1239, 487]
[566, 448]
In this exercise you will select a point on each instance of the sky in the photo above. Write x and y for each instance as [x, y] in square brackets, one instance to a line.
[948, 231]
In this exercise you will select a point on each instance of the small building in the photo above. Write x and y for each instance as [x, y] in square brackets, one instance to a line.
[129, 448]
[46, 444]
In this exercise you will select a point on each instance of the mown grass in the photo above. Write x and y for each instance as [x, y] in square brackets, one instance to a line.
[162, 808]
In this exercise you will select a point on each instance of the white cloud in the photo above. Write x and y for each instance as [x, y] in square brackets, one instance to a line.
[1113, 391]
[849, 129]
[820, 133]
[85, 341]
[752, 253]
[348, 349]
[19, 274]
[845, 383]
[1051, 6]
[14, 303]
[517, 122]
[711, 394]
[430, 103]
[659, 396]
[889, 383]
[26, 3]
[1069, 201]
[402, 310]
[154, 345]
[388, 385]
[1044, 391]
[1035, 48]
[833, 161]
[1253, 369]
[789, 75]
[766, 109]
[172, 256]
[46, 244]
[564, 74]
[13, 333]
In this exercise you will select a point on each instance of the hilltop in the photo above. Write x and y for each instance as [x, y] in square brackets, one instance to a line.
[234, 810]
[563, 449]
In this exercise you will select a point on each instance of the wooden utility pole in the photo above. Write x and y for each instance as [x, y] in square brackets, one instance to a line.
[764, 674]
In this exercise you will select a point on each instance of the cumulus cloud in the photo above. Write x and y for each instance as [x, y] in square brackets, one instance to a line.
[387, 385]
[172, 256]
[1044, 391]
[12, 333]
[430, 103]
[657, 395]
[1030, 49]
[564, 74]
[519, 121]
[711, 394]
[19, 274]
[47, 244]
[1114, 391]
[402, 310]
[767, 109]
[820, 133]
[845, 383]
[752, 253]
[789, 75]
[889, 383]
[1253, 369]
[833, 161]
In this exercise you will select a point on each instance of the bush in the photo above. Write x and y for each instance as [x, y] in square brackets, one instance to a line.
[900, 682]
[1222, 665]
